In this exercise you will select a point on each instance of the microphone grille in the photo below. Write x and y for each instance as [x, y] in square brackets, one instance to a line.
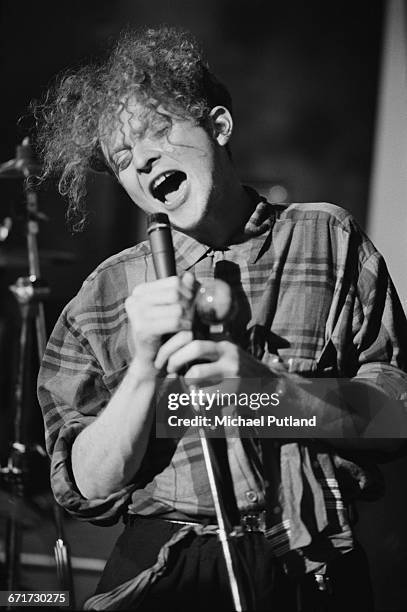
[157, 218]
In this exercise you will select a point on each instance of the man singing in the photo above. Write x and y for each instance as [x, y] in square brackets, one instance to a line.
[313, 299]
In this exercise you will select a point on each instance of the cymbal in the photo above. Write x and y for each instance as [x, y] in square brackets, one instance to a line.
[19, 509]
[18, 168]
[18, 258]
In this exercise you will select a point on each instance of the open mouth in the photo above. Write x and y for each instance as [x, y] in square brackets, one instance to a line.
[166, 187]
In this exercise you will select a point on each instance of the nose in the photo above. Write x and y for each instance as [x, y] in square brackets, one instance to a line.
[144, 157]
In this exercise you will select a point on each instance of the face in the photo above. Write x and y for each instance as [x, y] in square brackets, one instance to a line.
[170, 165]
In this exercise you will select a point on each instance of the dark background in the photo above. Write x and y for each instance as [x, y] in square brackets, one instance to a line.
[304, 79]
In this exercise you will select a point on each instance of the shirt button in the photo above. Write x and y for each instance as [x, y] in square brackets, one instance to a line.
[251, 496]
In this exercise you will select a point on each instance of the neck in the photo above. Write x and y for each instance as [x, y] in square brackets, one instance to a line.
[226, 219]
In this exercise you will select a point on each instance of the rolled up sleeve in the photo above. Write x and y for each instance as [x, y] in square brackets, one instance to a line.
[72, 394]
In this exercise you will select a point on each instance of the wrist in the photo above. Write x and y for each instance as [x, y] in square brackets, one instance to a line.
[142, 369]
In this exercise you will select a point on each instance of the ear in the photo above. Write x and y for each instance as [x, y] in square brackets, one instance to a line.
[222, 124]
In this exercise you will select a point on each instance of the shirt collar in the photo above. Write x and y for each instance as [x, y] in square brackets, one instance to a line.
[189, 251]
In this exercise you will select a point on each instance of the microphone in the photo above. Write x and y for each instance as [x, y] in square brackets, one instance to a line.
[214, 303]
[213, 307]
[162, 248]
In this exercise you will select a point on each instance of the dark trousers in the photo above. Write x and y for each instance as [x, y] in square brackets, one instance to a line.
[196, 579]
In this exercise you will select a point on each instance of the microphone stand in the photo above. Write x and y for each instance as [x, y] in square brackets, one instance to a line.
[218, 483]
[225, 532]
[162, 250]
[29, 293]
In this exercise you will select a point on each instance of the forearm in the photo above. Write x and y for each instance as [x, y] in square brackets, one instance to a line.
[108, 453]
[350, 414]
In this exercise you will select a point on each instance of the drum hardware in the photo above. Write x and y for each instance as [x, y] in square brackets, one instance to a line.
[23, 165]
[24, 513]
[29, 293]
[17, 258]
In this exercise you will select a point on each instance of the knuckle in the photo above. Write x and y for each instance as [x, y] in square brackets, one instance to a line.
[199, 345]
[173, 294]
[183, 337]
[234, 370]
[131, 308]
[138, 290]
[228, 348]
[175, 314]
[194, 372]
[173, 283]
[178, 310]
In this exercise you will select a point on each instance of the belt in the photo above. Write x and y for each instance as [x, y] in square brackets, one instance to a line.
[253, 521]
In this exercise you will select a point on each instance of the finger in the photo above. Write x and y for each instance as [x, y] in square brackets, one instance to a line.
[196, 350]
[205, 374]
[160, 327]
[163, 313]
[163, 291]
[173, 344]
[189, 282]
[169, 318]
[157, 320]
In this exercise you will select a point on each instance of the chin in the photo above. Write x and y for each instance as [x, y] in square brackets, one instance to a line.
[186, 228]
[186, 223]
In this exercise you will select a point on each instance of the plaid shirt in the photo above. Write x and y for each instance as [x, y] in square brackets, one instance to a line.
[308, 273]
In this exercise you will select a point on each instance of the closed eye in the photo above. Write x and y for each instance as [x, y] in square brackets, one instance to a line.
[162, 131]
[122, 160]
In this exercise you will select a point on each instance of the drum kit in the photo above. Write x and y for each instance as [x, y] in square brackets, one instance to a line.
[30, 292]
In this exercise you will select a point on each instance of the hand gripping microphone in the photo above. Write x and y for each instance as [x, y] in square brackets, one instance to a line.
[214, 304]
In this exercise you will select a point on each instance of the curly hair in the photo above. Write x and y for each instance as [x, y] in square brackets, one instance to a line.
[161, 66]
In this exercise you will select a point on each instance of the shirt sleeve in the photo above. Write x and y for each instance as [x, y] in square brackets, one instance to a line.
[370, 339]
[71, 394]
[380, 330]
[366, 348]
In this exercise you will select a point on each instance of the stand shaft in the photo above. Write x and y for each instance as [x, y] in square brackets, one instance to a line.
[29, 294]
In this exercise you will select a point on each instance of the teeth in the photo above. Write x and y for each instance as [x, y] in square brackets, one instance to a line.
[160, 179]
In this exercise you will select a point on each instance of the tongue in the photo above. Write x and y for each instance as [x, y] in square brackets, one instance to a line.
[170, 196]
